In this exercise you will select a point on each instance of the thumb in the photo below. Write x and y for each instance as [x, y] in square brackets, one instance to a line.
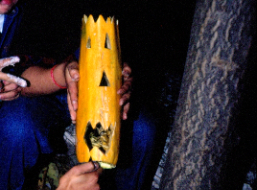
[72, 68]
[14, 79]
[85, 168]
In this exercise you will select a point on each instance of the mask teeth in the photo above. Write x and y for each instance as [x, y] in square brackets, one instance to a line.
[112, 19]
[108, 19]
[85, 18]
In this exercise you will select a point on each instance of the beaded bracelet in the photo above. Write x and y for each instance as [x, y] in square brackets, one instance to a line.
[52, 76]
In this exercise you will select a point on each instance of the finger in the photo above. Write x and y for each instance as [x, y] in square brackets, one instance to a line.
[8, 96]
[126, 71]
[73, 95]
[73, 70]
[72, 82]
[8, 61]
[11, 78]
[73, 113]
[125, 88]
[96, 165]
[85, 181]
[8, 86]
[84, 168]
[125, 98]
[125, 111]
[100, 171]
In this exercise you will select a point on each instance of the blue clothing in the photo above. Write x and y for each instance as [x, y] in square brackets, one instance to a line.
[136, 172]
[12, 22]
[25, 132]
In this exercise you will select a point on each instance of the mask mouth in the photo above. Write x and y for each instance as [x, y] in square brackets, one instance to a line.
[98, 137]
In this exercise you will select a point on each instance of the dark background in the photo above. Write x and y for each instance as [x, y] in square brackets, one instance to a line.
[53, 27]
[154, 34]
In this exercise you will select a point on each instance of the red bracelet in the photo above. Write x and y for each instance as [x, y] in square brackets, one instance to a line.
[52, 76]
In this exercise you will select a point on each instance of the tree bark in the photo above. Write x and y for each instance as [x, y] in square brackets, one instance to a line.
[202, 135]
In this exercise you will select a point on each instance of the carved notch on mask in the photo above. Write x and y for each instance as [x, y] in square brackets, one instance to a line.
[88, 46]
[107, 43]
[104, 80]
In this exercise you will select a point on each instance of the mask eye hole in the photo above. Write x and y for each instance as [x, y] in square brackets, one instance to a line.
[88, 43]
[104, 80]
[107, 43]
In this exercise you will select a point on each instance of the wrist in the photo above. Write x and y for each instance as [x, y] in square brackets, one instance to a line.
[57, 75]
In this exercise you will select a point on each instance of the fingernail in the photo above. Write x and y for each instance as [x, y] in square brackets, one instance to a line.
[125, 73]
[74, 104]
[96, 165]
[76, 77]
[125, 116]
[72, 119]
[121, 102]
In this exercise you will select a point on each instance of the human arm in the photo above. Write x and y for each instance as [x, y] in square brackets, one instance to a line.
[84, 176]
[41, 81]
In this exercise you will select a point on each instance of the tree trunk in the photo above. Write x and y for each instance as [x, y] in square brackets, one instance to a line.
[202, 135]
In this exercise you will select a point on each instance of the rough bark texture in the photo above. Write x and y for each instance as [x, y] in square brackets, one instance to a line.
[203, 132]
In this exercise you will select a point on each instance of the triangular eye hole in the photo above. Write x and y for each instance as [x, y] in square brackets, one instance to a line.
[107, 43]
[104, 80]
[88, 43]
